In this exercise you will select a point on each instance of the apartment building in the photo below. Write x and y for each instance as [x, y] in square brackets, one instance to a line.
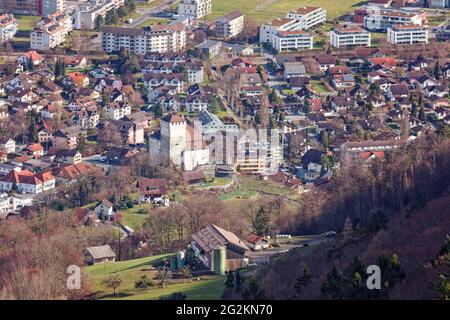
[194, 8]
[230, 25]
[349, 37]
[86, 16]
[51, 31]
[8, 27]
[28, 7]
[258, 157]
[268, 30]
[381, 20]
[52, 6]
[292, 40]
[155, 38]
[407, 34]
[308, 17]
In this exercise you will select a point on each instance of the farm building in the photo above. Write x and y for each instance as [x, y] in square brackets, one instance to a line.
[219, 249]
[100, 254]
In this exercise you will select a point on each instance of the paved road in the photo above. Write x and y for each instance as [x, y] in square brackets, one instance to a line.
[147, 13]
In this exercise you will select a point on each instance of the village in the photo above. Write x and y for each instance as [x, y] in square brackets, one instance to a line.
[116, 110]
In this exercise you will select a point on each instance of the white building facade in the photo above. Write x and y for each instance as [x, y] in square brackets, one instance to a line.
[349, 37]
[157, 38]
[308, 16]
[381, 20]
[292, 41]
[194, 8]
[8, 27]
[230, 25]
[407, 34]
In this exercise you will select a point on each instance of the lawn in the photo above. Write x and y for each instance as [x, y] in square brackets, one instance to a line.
[135, 217]
[318, 86]
[152, 21]
[250, 187]
[264, 10]
[26, 23]
[208, 287]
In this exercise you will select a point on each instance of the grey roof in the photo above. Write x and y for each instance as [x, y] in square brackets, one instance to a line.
[207, 117]
[294, 68]
[207, 44]
[101, 252]
[213, 237]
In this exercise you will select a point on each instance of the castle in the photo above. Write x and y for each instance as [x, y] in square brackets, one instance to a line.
[179, 143]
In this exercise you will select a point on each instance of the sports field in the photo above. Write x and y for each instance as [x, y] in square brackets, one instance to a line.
[264, 10]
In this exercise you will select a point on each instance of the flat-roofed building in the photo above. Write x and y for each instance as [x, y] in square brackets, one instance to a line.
[292, 40]
[8, 27]
[87, 15]
[194, 8]
[381, 20]
[155, 38]
[268, 30]
[27, 7]
[230, 25]
[51, 31]
[407, 34]
[52, 6]
[349, 37]
[308, 16]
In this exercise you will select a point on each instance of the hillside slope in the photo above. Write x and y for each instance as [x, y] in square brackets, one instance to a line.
[415, 240]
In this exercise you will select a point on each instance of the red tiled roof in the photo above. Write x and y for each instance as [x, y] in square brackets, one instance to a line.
[152, 186]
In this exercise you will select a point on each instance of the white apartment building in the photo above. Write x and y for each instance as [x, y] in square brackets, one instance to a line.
[156, 38]
[86, 16]
[308, 16]
[407, 34]
[349, 37]
[381, 20]
[8, 27]
[51, 6]
[230, 25]
[292, 40]
[51, 31]
[268, 30]
[194, 8]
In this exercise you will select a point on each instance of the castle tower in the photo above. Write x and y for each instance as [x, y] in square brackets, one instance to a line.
[173, 138]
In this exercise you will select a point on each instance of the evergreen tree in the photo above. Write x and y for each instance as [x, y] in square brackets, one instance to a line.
[333, 286]
[30, 64]
[261, 222]
[378, 220]
[229, 282]
[81, 143]
[122, 11]
[437, 71]
[252, 291]
[303, 281]
[158, 110]
[99, 21]
[58, 68]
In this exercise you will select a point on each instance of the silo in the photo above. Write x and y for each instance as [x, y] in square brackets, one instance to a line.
[219, 260]
[173, 263]
[180, 260]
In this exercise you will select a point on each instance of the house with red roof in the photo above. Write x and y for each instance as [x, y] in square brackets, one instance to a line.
[153, 191]
[26, 181]
[33, 56]
[257, 243]
[36, 150]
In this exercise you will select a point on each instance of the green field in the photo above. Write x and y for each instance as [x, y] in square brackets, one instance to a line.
[135, 217]
[263, 10]
[251, 187]
[26, 23]
[208, 287]
[153, 21]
